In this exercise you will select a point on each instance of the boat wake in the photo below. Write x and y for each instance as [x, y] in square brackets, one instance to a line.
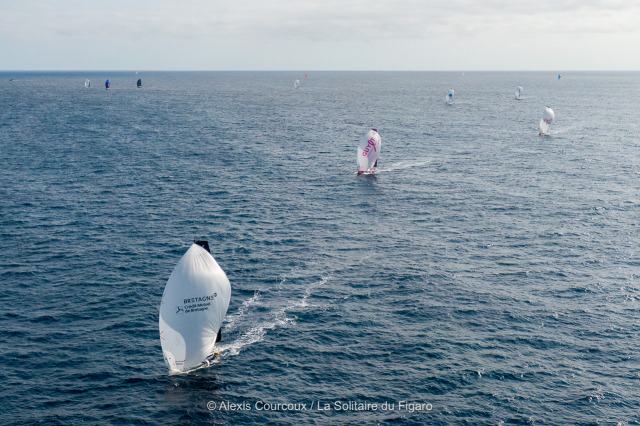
[251, 323]
[403, 165]
[275, 318]
[232, 320]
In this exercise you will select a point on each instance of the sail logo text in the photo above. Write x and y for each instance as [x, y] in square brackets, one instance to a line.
[196, 304]
[201, 299]
[371, 143]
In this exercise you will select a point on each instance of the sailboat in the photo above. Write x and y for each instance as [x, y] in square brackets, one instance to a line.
[87, 83]
[194, 304]
[368, 151]
[519, 92]
[107, 84]
[449, 98]
[296, 84]
[545, 122]
[139, 83]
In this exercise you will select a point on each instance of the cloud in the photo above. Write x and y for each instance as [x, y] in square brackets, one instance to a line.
[327, 20]
[228, 29]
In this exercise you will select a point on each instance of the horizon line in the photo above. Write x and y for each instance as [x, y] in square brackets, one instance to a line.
[307, 71]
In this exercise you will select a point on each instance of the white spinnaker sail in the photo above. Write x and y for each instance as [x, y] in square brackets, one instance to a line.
[87, 83]
[519, 92]
[296, 84]
[194, 303]
[368, 150]
[449, 97]
[547, 119]
[544, 127]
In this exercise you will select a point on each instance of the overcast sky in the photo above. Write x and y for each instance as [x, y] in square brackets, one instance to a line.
[554, 35]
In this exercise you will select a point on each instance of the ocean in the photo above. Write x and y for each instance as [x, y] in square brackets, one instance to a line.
[484, 275]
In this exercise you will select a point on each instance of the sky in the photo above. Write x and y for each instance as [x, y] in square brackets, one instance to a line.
[318, 35]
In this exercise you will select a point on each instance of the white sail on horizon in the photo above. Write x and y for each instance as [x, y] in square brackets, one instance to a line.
[547, 119]
[449, 98]
[519, 92]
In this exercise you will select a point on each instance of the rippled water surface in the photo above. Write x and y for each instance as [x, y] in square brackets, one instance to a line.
[486, 274]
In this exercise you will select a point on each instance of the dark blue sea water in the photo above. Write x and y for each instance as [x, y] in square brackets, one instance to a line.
[485, 275]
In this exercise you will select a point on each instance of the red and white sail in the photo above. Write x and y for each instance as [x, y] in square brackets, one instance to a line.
[547, 119]
[368, 151]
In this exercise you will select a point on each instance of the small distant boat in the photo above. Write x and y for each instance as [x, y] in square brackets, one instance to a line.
[519, 92]
[368, 152]
[545, 122]
[296, 84]
[559, 76]
[139, 83]
[449, 98]
[87, 83]
[194, 304]
[107, 84]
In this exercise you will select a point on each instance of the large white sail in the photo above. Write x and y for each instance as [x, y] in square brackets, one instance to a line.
[194, 303]
[547, 119]
[368, 151]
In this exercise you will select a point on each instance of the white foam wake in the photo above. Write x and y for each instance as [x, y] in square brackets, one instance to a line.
[232, 320]
[277, 318]
[256, 329]
[403, 165]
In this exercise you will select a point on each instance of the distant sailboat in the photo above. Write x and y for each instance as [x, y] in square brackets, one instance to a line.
[545, 122]
[87, 83]
[296, 84]
[139, 83]
[449, 98]
[194, 304]
[519, 92]
[107, 84]
[368, 151]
